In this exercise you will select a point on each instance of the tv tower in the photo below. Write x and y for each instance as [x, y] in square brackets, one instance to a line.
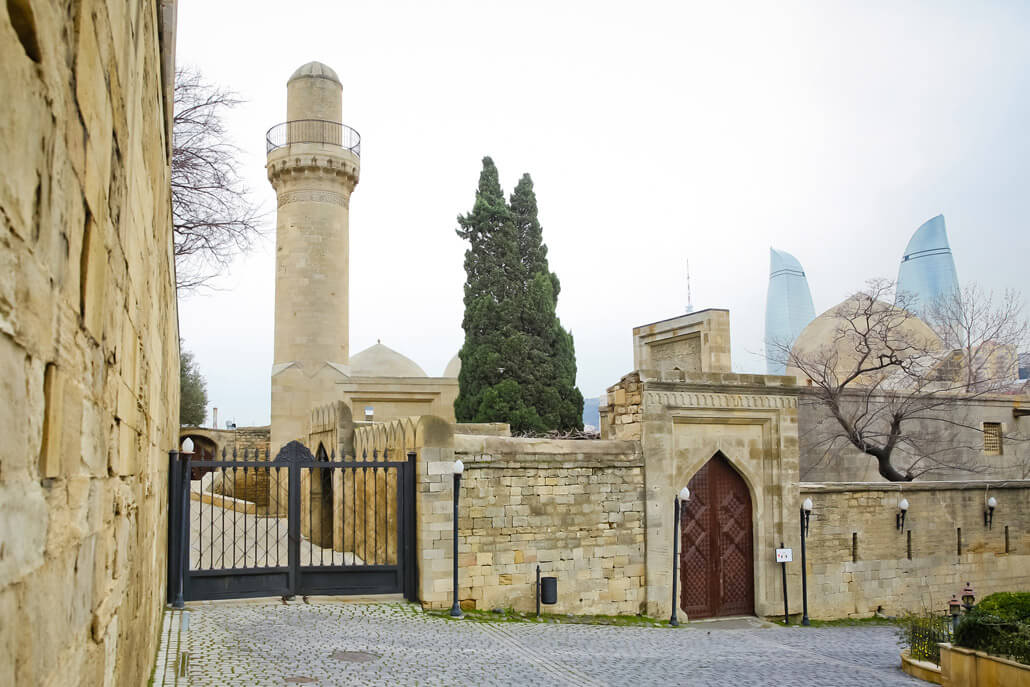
[690, 301]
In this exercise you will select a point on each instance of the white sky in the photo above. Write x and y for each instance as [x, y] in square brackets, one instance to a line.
[654, 132]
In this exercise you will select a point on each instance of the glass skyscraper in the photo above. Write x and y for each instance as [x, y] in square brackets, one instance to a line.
[788, 308]
[927, 269]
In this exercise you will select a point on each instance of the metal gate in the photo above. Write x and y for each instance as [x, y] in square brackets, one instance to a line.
[716, 563]
[295, 525]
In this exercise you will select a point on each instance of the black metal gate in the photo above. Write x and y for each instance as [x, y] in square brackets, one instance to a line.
[295, 525]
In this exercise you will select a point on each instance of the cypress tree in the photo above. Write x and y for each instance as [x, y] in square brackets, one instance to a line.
[517, 363]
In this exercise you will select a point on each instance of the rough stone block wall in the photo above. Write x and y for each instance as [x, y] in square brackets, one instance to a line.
[575, 508]
[621, 415]
[883, 575]
[88, 340]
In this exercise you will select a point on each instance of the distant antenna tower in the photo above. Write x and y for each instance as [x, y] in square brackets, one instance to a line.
[690, 300]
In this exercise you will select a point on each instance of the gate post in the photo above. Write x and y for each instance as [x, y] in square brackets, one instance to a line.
[174, 523]
[293, 525]
[410, 559]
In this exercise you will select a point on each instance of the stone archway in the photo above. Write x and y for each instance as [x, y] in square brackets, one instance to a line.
[717, 540]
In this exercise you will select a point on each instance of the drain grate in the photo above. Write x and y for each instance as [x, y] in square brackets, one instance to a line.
[353, 656]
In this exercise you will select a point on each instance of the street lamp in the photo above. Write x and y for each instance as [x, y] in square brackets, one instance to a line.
[681, 498]
[900, 517]
[992, 503]
[456, 469]
[955, 608]
[186, 452]
[805, 514]
[968, 598]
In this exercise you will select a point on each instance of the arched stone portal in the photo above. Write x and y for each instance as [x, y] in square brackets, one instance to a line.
[716, 561]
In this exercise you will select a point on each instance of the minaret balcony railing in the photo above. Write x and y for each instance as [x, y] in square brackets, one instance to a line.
[313, 131]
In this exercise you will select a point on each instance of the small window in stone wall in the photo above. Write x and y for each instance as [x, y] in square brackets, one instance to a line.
[992, 438]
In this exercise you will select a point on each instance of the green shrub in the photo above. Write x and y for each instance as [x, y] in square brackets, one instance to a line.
[998, 625]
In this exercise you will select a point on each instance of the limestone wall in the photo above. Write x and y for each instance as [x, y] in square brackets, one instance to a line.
[950, 437]
[575, 508]
[88, 338]
[883, 574]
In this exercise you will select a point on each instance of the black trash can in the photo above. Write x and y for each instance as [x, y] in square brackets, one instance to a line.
[549, 590]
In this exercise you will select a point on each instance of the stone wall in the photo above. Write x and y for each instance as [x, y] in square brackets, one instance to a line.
[884, 576]
[950, 437]
[88, 338]
[573, 508]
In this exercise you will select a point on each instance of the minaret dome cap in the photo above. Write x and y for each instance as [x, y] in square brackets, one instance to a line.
[315, 70]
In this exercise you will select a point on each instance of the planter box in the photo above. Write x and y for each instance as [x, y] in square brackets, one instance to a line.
[967, 668]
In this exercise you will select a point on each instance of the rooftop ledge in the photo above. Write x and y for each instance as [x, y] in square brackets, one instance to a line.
[313, 131]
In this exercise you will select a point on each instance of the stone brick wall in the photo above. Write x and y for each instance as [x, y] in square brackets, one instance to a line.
[883, 575]
[951, 436]
[621, 414]
[575, 508]
[88, 338]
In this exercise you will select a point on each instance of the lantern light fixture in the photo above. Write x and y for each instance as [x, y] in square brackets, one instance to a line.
[902, 511]
[992, 503]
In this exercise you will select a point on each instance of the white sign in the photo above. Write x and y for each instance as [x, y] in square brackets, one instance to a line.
[784, 555]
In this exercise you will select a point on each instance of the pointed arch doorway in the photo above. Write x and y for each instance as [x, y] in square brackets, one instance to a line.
[716, 559]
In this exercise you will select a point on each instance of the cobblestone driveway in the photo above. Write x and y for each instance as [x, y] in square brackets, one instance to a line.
[326, 643]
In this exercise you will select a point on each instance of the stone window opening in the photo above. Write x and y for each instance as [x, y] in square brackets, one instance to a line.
[992, 438]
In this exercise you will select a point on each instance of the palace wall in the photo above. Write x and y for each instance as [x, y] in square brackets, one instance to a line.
[89, 347]
[882, 575]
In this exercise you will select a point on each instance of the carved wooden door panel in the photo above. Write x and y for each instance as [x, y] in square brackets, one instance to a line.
[717, 563]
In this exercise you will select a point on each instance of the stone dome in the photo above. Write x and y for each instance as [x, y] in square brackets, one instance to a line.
[383, 361]
[820, 334]
[315, 70]
[453, 367]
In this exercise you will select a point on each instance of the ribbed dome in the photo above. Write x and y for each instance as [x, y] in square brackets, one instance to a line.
[453, 367]
[315, 70]
[383, 361]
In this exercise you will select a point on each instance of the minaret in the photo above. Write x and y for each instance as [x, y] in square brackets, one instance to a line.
[313, 165]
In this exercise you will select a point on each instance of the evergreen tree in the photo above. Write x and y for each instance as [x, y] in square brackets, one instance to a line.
[518, 364]
[192, 391]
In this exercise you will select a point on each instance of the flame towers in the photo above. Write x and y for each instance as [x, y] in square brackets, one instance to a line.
[927, 270]
[788, 308]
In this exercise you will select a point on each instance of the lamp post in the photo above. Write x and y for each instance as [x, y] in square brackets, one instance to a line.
[806, 513]
[186, 452]
[968, 599]
[457, 469]
[682, 497]
[955, 608]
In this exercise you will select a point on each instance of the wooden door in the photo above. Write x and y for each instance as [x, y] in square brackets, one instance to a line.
[717, 562]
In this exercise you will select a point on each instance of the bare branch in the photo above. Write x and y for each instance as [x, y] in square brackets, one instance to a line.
[213, 216]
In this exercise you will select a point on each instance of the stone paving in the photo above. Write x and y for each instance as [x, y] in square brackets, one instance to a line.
[335, 643]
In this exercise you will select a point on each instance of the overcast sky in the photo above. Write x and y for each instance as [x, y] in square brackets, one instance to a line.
[655, 133]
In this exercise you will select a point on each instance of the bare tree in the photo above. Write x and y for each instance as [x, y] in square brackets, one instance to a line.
[213, 216]
[984, 335]
[879, 378]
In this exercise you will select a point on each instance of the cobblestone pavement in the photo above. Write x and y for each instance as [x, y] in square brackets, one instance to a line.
[336, 643]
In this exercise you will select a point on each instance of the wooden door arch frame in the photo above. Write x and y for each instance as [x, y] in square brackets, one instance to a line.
[743, 474]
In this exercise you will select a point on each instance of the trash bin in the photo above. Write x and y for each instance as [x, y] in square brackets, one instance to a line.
[549, 590]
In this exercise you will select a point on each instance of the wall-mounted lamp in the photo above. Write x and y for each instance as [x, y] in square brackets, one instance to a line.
[992, 503]
[806, 513]
[900, 517]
